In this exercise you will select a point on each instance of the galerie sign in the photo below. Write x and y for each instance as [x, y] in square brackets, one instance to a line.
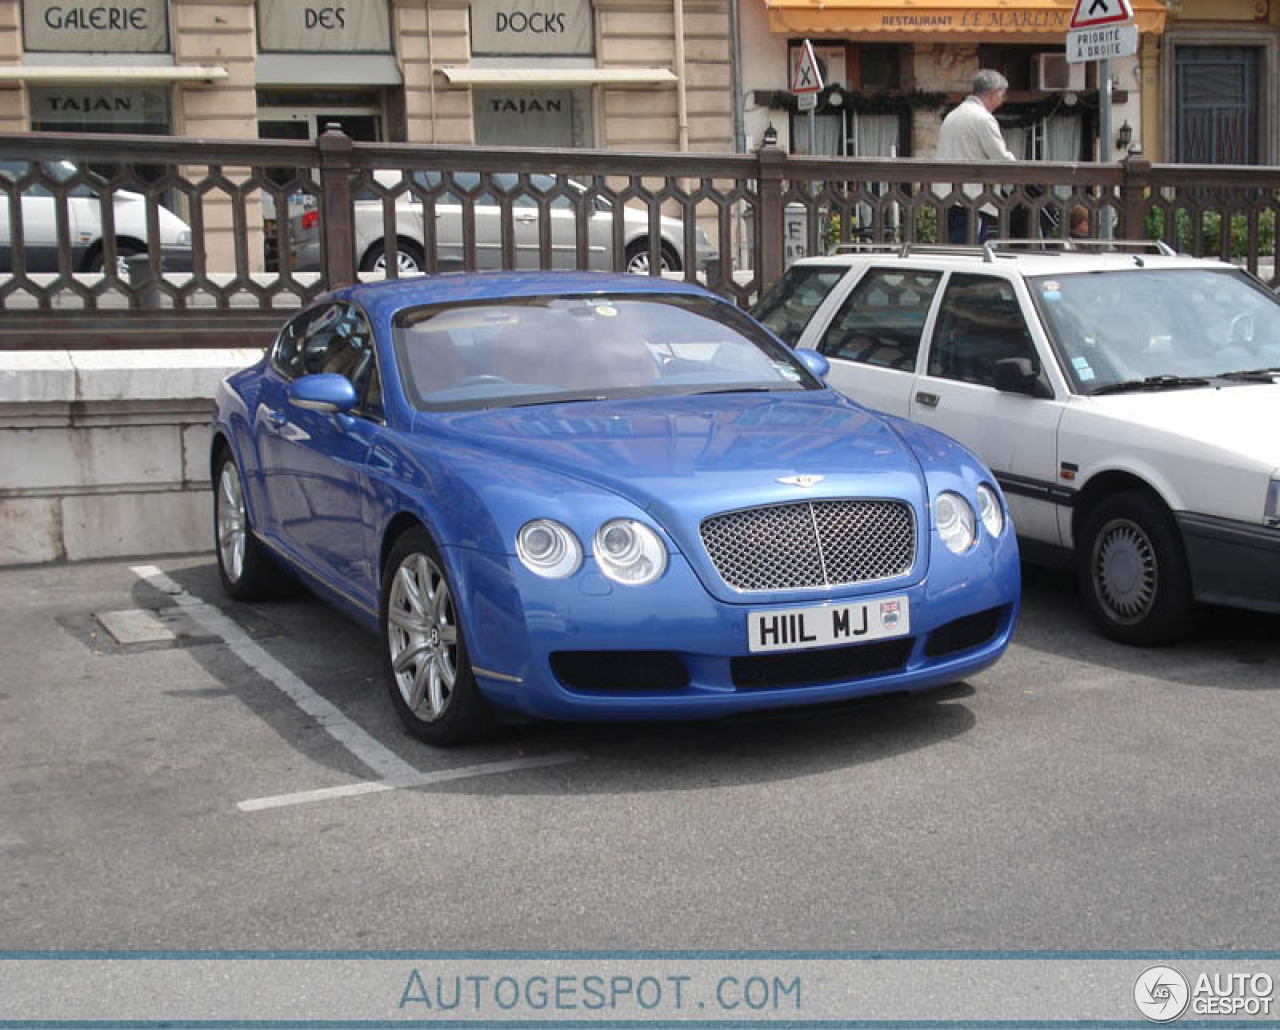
[560, 27]
[333, 26]
[128, 26]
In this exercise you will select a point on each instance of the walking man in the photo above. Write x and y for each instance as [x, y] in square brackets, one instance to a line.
[971, 133]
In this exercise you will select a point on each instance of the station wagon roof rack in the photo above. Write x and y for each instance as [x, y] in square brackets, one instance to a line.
[907, 249]
[1069, 245]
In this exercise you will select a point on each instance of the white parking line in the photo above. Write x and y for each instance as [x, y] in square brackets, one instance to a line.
[420, 780]
[393, 771]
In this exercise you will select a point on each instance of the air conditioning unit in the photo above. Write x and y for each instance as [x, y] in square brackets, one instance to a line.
[1054, 73]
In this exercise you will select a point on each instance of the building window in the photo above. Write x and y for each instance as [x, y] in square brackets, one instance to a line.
[1217, 105]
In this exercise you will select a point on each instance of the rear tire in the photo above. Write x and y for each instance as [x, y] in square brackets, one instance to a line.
[246, 570]
[424, 652]
[1132, 571]
[409, 258]
[638, 258]
[124, 249]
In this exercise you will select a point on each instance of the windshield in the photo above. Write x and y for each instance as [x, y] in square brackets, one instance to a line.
[1125, 326]
[788, 305]
[541, 350]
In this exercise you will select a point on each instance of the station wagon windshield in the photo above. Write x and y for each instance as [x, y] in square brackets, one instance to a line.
[551, 349]
[1158, 327]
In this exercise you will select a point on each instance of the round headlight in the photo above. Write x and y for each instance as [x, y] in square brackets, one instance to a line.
[955, 522]
[629, 552]
[989, 510]
[548, 549]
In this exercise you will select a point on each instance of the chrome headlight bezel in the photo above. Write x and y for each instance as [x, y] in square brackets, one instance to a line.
[990, 510]
[629, 552]
[955, 522]
[548, 548]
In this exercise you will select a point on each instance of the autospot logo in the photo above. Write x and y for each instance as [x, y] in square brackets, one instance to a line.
[1161, 993]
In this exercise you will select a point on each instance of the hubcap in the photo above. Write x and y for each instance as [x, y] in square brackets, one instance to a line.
[231, 523]
[422, 634]
[1125, 573]
[639, 264]
[405, 263]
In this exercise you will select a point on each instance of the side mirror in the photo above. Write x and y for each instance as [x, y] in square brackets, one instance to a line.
[324, 391]
[814, 362]
[1017, 375]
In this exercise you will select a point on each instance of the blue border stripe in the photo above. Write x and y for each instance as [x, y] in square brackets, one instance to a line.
[410, 955]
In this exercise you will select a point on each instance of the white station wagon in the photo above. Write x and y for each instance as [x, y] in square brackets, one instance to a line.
[1125, 398]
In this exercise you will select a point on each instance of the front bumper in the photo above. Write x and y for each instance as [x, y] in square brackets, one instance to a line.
[587, 649]
[1232, 563]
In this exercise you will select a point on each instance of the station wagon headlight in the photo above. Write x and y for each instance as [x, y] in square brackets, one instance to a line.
[547, 548]
[629, 552]
[955, 522]
[989, 510]
[1271, 514]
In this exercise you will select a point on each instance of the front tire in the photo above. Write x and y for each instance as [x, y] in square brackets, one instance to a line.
[424, 652]
[638, 262]
[1133, 572]
[246, 570]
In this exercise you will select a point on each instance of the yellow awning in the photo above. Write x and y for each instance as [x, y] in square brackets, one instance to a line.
[1031, 21]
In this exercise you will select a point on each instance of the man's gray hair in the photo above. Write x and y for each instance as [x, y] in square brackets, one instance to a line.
[988, 80]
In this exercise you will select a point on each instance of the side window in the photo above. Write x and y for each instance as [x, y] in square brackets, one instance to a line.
[882, 320]
[333, 338]
[979, 323]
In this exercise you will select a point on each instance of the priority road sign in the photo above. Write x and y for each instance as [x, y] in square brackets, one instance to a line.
[1092, 13]
[806, 78]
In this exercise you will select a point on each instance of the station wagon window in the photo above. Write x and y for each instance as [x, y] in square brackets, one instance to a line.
[979, 323]
[788, 305]
[332, 338]
[882, 321]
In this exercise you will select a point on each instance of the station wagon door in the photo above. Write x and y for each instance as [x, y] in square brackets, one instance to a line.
[980, 320]
[873, 339]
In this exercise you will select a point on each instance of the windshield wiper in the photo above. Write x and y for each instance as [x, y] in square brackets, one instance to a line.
[1161, 382]
[734, 389]
[581, 399]
[1251, 375]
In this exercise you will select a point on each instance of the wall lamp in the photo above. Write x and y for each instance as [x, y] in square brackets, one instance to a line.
[1124, 136]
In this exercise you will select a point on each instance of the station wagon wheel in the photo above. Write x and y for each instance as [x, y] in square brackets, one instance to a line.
[1133, 571]
[409, 258]
[124, 250]
[425, 654]
[246, 570]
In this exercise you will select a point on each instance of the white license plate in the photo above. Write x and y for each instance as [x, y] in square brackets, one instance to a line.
[794, 629]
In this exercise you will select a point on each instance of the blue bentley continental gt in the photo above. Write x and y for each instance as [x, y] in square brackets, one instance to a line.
[586, 496]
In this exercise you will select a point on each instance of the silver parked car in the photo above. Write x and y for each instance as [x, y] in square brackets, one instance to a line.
[408, 249]
[39, 207]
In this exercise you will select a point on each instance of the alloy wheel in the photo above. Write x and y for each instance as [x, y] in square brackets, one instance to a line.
[232, 520]
[422, 635]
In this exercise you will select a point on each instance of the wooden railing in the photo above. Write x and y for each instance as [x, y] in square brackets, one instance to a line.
[90, 255]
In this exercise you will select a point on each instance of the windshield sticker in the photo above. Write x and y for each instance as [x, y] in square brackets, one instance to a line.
[1081, 365]
[605, 311]
[1051, 290]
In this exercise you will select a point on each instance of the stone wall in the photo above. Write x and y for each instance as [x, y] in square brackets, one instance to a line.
[105, 454]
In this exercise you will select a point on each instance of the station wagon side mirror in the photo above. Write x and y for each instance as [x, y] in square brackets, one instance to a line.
[1018, 375]
[324, 391]
[814, 362]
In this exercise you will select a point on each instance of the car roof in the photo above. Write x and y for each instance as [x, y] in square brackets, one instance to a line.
[386, 296]
[1020, 257]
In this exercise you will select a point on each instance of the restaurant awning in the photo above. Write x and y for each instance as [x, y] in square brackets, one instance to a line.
[1029, 21]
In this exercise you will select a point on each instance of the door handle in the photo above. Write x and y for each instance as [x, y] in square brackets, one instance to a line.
[526, 218]
[929, 400]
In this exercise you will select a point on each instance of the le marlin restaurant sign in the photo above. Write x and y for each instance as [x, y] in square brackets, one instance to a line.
[978, 21]
[125, 26]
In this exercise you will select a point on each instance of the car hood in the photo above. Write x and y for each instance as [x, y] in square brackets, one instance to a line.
[686, 458]
[1238, 419]
[130, 217]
